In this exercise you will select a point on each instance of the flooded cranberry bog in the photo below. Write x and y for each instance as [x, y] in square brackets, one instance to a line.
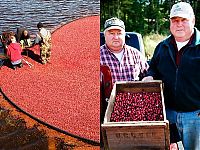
[64, 93]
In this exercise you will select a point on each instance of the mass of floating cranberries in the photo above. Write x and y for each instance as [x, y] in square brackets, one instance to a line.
[143, 106]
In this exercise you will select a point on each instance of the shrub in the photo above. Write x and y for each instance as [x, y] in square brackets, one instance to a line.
[150, 43]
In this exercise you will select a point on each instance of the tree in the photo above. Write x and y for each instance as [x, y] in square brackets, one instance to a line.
[143, 16]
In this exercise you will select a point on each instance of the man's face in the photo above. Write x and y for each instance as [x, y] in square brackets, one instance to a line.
[115, 39]
[182, 28]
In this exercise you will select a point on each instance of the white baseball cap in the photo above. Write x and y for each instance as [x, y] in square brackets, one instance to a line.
[183, 10]
[114, 23]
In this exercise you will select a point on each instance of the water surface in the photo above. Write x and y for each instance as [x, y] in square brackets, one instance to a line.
[53, 13]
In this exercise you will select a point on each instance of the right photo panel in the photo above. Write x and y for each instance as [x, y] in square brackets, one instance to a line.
[149, 75]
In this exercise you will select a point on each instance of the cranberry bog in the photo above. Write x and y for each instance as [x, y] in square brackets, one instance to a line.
[64, 93]
[135, 117]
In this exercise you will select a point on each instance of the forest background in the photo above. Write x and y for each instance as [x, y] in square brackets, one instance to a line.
[150, 18]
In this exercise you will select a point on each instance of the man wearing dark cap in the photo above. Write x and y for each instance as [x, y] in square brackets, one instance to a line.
[43, 38]
[126, 63]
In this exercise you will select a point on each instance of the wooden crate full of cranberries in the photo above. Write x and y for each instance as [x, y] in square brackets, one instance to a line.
[135, 117]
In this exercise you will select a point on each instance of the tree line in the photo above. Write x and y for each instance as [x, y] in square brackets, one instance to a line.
[144, 16]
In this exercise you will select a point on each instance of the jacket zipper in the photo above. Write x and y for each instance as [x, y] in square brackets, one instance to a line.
[175, 86]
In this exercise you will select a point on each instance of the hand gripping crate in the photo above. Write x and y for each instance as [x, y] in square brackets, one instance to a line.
[135, 135]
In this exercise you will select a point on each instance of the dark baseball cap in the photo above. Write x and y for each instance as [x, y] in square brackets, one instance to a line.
[114, 23]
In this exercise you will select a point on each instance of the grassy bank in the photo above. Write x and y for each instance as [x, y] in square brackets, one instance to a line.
[150, 43]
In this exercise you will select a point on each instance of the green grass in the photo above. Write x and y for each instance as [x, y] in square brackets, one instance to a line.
[150, 43]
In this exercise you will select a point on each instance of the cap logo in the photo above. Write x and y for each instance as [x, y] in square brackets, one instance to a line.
[178, 8]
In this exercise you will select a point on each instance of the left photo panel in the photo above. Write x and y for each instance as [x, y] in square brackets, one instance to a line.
[50, 74]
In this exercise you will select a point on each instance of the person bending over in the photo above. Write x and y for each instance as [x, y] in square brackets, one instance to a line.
[43, 38]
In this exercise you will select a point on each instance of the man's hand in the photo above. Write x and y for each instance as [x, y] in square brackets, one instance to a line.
[148, 78]
[173, 146]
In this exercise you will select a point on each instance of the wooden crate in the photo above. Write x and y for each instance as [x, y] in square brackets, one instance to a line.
[135, 135]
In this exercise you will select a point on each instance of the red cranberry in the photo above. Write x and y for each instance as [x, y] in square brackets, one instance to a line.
[143, 106]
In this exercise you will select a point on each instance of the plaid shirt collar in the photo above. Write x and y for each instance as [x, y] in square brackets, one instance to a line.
[128, 68]
[110, 50]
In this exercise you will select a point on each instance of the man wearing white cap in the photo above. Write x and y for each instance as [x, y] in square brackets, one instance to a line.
[176, 61]
[126, 63]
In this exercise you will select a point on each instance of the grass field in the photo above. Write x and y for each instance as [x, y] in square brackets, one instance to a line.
[150, 43]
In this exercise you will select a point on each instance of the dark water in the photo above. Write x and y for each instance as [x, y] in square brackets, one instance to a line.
[53, 13]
